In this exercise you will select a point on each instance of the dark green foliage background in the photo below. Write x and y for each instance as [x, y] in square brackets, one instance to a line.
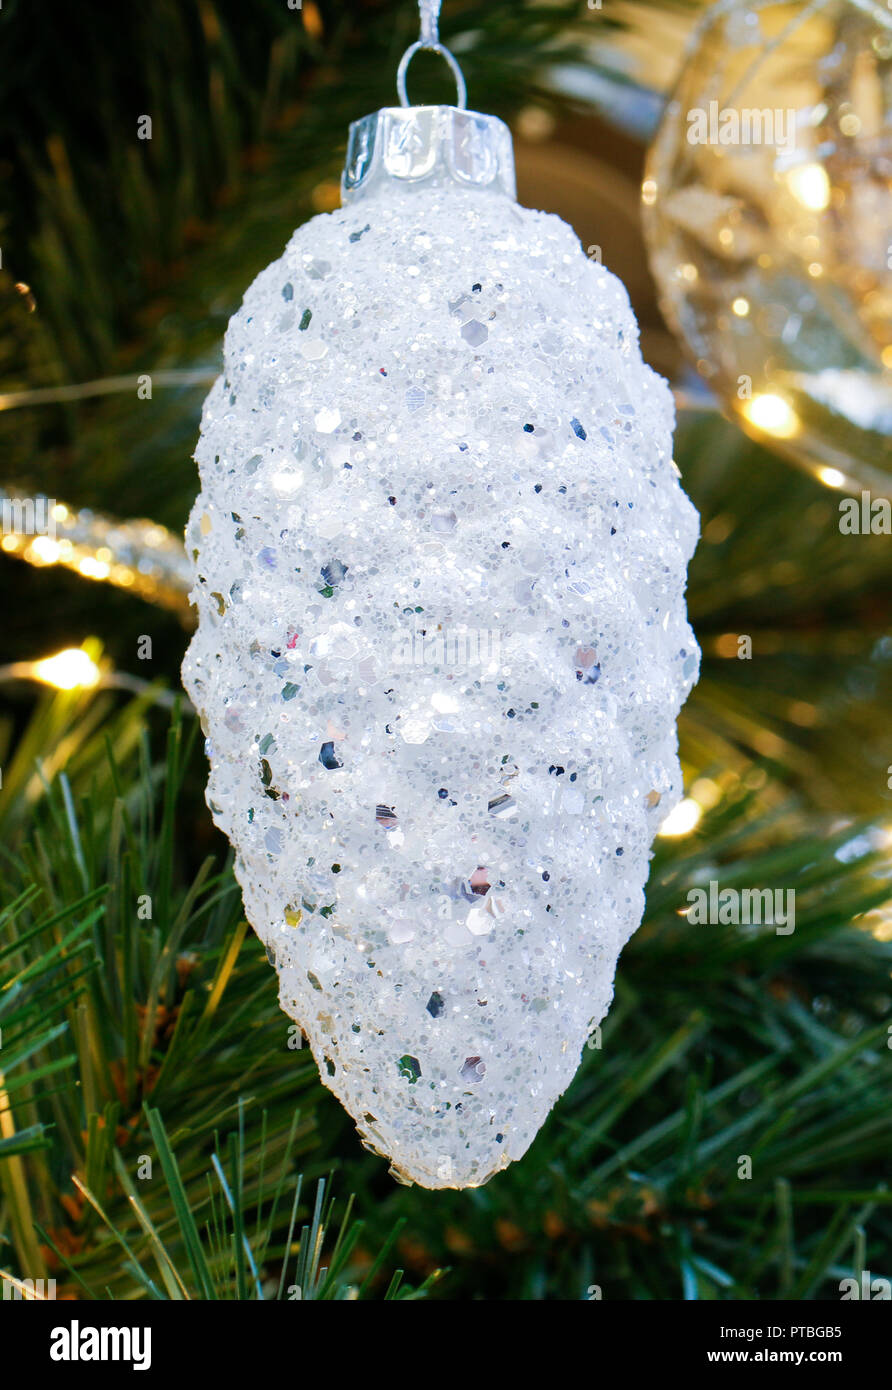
[123, 1038]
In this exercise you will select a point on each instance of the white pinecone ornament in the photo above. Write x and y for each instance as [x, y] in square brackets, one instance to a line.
[440, 555]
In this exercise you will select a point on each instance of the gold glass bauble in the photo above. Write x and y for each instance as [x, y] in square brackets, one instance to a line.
[768, 215]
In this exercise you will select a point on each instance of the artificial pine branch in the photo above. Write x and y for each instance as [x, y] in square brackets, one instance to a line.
[719, 1043]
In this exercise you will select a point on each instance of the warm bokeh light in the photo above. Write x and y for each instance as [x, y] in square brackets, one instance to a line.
[138, 555]
[772, 414]
[682, 820]
[93, 569]
[706, 793]
[44, 550]
[810, 186]
[71, 669]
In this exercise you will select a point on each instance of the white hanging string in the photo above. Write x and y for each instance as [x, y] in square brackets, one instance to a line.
[430, 21]
[429, 15]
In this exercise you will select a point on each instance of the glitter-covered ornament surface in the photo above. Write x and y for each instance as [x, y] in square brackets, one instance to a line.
[440, 555]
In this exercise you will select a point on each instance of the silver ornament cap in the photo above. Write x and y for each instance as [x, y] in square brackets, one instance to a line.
[413, 146]
[427, 145]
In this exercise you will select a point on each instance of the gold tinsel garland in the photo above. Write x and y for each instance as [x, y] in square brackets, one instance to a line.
[137, 555]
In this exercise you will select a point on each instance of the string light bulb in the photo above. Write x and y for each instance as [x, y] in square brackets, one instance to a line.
[71, 669]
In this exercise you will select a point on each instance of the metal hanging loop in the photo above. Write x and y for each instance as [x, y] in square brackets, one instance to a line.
[429, 11]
